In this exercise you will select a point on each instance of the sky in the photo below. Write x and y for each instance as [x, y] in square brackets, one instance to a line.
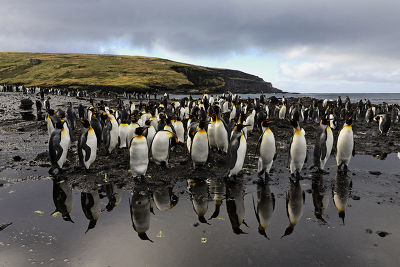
[300, 46]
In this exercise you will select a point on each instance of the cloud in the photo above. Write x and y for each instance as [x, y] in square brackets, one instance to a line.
[316, 39]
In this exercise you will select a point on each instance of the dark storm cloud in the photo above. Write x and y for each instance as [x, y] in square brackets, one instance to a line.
[202, 28]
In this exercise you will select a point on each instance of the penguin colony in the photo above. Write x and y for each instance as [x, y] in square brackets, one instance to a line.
[211, 125]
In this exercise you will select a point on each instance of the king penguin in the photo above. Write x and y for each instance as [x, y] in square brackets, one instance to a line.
[237, 150]
[297, 150]
[384, 123]
[87, 145]
[323, 145]
[139, 153]
[221, 134]
[58, 147]
[160, 147]
[200, 149]
[267, 150]
[345, 145]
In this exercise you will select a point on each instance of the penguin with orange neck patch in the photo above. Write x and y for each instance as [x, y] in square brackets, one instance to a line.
[345, 145]
[297, 150]
[58, 147]
[87, 145]
[199, 146]
[139, 153]
[237, 150]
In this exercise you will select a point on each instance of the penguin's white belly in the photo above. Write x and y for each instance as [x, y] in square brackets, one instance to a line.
[92, 143]
[139, 156]
[211, 134]
[298, 152]
[295, 211]
[113, 136]
[50, 126]
[267, 151]
[199, 151]
[64, 143]
[265, 211]
[180, 132]
[282, 113]
[344, 146]
[250, 122]
[123, 134]
[221, 137]
[241, 153]
[150, 135]
[329, 145]
[160, 147]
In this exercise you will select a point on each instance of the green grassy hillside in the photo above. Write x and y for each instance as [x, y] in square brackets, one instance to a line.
[113, 71]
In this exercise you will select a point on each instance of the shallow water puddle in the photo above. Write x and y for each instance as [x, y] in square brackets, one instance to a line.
[187, 229]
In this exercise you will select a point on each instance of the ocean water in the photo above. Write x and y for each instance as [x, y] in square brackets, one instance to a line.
[376, 98]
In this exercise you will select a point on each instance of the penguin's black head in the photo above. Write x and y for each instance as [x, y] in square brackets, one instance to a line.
[59, 124]
[265, 123]
[85, 123]
[104, 116]
[239, 127]
[139, 130]
[324, 121]
[144, 236]
[202, 124]
[288, 231]
[67, 218]
[342, 214]
[147, 122]
[349, 120]
[174, 200]
[262, 232]
[92, 224]
[294, 123]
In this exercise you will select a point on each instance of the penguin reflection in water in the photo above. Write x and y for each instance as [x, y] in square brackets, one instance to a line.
[265, 206]
[62, 198]
[164, 198]
[295, 199]
[87, 145]
[140, 207]
[217, 191]
[341, 190]
[320, 196]
[235, 204]
[91, 207]
[200, 197]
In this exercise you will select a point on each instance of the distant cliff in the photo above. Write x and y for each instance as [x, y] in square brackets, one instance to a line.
[113, 72]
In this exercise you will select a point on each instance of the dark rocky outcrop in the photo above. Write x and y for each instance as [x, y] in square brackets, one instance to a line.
[220, 80]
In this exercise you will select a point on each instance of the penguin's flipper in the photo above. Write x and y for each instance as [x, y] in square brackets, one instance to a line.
[304, 196]
[232, 152]
[323, 151]
[354, 149]
[59, 150]
[287, 204]
[255, 210]
[258, 144]
[290, 146]
[87, 151]
[273, 201]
